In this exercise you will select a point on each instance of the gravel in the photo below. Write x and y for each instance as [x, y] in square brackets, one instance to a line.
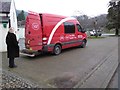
[10, 80]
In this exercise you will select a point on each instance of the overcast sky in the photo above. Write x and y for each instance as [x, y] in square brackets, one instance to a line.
[65, 7]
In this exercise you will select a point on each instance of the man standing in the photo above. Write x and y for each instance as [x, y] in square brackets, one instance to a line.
[12, 47]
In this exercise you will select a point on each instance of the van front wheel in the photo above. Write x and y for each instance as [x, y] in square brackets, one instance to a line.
[57, 49]
[83, 45]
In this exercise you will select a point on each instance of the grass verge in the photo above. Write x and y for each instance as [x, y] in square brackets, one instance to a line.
[94, 37]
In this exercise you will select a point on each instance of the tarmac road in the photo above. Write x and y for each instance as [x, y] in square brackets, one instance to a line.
[66, 69]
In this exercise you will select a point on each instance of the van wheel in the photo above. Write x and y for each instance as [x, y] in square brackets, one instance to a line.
[83, 45]
[57, 49]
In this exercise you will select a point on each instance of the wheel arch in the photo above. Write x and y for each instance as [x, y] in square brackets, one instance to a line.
[85, 40]
[58, 43]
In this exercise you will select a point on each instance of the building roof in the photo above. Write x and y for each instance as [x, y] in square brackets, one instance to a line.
[5, 7]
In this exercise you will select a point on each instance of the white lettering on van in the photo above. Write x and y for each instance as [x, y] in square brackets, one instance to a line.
[61, 38]
[67, 38]
[56, 27]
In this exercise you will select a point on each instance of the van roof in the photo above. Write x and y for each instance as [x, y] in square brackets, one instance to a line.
[46, 14]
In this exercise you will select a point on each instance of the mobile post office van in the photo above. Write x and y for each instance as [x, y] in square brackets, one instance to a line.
[52, 33]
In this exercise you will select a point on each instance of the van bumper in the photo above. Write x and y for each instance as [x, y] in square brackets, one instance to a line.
[30, 53]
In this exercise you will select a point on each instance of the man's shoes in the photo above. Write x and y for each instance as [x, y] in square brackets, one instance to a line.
[13, 66]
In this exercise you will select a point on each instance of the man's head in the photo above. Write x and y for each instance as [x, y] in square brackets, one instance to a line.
[11, 30]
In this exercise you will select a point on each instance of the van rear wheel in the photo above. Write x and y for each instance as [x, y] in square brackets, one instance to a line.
[57, 49]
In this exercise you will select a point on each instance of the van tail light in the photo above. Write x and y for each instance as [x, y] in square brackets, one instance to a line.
[28, 42]
[44, 39]
[44, 43]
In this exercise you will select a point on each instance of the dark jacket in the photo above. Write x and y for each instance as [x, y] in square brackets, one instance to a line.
[12, 45]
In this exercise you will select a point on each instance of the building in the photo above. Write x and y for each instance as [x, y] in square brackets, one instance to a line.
[21, 29]
[8, 19]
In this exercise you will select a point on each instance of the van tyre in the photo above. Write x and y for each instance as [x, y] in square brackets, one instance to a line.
[83, 45]
[57, 49]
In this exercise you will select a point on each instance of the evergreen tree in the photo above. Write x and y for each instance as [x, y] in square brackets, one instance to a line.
[21, 16]
[114, 16]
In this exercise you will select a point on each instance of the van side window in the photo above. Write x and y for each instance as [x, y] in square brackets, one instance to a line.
[79, 28]
[69, 27]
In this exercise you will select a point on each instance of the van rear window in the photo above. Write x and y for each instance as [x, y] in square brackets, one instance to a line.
[69, 27]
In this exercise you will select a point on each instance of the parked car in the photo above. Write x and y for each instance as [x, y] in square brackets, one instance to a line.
[93, 32]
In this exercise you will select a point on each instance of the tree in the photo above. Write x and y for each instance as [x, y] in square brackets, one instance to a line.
[21, 16]
[84, 20]
[88, 22]
[114, 16]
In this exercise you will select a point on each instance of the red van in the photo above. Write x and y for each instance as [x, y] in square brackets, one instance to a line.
[52, 33]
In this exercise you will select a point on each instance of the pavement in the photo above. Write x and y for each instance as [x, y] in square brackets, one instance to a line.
[108, 34]
[97, 80]
[114, 80]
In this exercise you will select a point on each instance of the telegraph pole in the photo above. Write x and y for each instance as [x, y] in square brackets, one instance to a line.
[118, 21]
[95, 27]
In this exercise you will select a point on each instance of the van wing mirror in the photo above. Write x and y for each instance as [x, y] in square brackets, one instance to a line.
[83, 30]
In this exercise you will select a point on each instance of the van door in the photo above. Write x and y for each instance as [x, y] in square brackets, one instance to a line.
[79, 34]
[33, 33]
[69, 30]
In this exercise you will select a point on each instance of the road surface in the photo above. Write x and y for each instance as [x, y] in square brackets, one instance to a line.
[68, 68]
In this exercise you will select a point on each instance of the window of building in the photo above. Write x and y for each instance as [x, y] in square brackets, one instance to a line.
[69, 27]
